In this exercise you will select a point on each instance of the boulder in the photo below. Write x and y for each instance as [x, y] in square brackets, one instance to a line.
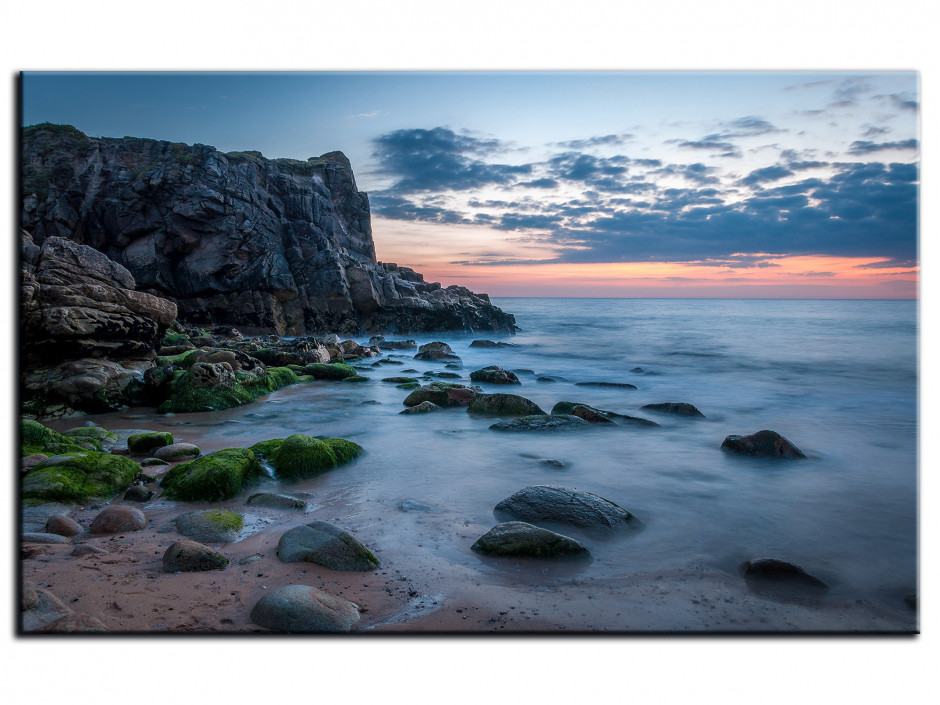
[564, 505]
[210, 525]
[593, 415]
[674, 407]
[301, 456]
[763, 444]
[541, 423]
[63, 525]
[494, 375]
[304, 609]
[138, 493]
[436, 392]
[118, 519]
[436, 351]
[213, 477]
[277, 500]
[79, 476]
[175, 452]
[145, 443]
[521, 540]
[190, 556]
[503, 405]
[325, 544]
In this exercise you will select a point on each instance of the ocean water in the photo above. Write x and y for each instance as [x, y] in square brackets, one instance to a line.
[837, 378]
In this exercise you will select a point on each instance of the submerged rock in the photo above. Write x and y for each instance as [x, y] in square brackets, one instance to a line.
[763, 444]
[410, 505]
[674, 407]
[564, 505]
[436, 392]
[304, 609]
[422, 408]
[189, 556]
[781, 573]
[138, 493]
[325, 544]
[592, 415]
[277, 500]
[494, 374]
[541, 423]
[436, 351]
[519, 539]
[619, 385]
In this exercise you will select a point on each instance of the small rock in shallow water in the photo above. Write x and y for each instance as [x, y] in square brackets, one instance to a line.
[177, 451]
[619, 385]
[301, 608]
[519, 539]
[276, 501]
[541, 423]
[565, 505]
[763, 444]
[777, 572]
[138, 493]
[422, 408]
[674, 407]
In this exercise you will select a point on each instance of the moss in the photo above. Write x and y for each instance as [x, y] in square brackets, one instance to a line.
[213, 477]
[356, 378]
[36, 438]
[302, 456]
[401, 380]
[96, 432]
[79, 476]
[408, 385]
[184, 397]
[344, 450]
[224, 520]
[336, 370]
[184, 359]
[267, 450]
[303, 379]
[143, 443]
[172, 338]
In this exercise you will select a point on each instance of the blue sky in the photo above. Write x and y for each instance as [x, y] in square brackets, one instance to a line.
[726, 172]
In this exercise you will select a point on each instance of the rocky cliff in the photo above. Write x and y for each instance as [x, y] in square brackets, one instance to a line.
[266, 245]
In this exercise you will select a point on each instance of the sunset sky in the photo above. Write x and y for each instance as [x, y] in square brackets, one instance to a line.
[675, 184]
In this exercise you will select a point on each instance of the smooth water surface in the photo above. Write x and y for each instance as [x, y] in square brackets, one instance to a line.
[837, 378]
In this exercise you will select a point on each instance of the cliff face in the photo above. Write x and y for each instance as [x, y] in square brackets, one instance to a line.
[266, 245]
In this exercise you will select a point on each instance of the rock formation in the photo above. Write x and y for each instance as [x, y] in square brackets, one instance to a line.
[265, 245]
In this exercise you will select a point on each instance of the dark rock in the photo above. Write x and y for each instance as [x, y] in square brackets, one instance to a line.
[503, 405]
[491, 344]
[494, 375]
[436, 351]
[63, 525]
[235, 239]
[519, 539]
[460, 395]
[304, 609]
[545, 380]
[618, 385]
[763, 444]
[210, 525]
[564, 505]
[138, 493]
[436, 392]
[325, 544]
[116, 519]
[276, 500]
[189, 556]
[592, 415]
[771, 570]
[674, 407]
[384, 344]
[145, 443]
[542, 423]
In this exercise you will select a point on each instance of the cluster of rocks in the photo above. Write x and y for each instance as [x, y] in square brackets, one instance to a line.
[267, 245]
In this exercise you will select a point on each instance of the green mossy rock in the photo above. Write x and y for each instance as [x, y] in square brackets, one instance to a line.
[213, 477]
[336, 370]
[402, 380]
[356, 378]
[79, 476]
[184, 360]
[145, 443]
[102, 435]
[343, 450]
[36, 438]
[184, 397]
[267, 450]
[210, 525]
[408, 385]
[518, 539]
[303, 456]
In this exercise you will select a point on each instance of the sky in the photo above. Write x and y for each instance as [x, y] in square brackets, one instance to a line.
[751, 184]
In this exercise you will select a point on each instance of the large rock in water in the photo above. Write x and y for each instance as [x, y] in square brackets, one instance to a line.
[262, 244]
[763, 444]
[503, 405]
[564, 505]
[301, 608]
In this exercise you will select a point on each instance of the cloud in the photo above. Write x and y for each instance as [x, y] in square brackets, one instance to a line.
[440, 159]
[396, 208]
[848, 92]
[606, 140]
[873, 131]
[370, 115]
[866, 147]
[748, 127]
[768, 173]
[698, 172]
[713, 143]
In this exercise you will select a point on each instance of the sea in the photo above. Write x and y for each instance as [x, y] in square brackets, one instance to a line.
[838, 378]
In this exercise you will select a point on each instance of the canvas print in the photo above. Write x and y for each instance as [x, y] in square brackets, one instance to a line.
[468, 352]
